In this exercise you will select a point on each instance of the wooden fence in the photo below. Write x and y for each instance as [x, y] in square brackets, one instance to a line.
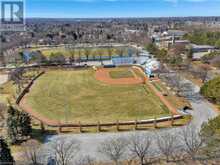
[27, 88]
[124, 123]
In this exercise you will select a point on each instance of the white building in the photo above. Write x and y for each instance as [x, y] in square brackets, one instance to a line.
[151, 66]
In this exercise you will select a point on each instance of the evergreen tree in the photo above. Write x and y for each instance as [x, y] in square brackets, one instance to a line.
[5, 153]
[12, 125]
[25, 124]
[18, 125]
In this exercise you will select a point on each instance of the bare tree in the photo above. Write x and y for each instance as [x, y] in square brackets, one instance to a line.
[3, 109]
[64, 150]
[86, 160]
[87, 53]
[114, 149]
[100, 53]
[110, 52]
[203, 72]
[192, 141]
[167, 144]
[120, 52]
[79, 55]
[73, 54]
[139, 146]
[31, 152]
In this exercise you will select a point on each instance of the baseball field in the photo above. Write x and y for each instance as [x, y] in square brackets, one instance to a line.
[88, 96]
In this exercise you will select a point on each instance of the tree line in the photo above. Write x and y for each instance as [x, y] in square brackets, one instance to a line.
[77, 55]
[187, 145]
[202, 37]
[178, 146]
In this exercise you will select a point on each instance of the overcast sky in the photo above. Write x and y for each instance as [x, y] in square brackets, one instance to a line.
[121, 8]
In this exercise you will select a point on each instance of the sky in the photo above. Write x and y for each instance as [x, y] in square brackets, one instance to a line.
[120, 8]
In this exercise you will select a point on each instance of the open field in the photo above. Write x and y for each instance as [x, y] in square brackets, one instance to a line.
[90, 52]
[74, 96]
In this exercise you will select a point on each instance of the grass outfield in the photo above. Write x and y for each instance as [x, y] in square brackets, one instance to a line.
[85, 99]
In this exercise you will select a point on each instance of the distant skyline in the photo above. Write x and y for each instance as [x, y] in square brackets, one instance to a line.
[120, 8]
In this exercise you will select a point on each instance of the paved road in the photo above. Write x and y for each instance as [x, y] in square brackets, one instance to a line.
[3, 78]
[203, 111]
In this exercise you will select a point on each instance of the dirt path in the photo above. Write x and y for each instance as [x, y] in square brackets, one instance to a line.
[163, 99]
[24, 105]
[159, 94]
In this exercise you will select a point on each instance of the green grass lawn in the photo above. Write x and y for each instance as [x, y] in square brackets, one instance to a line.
[77, 96]
[121, 73]
[7, 92]
[81, 52]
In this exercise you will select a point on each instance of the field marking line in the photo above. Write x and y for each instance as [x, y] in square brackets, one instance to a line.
[133, 72]
[158, 94]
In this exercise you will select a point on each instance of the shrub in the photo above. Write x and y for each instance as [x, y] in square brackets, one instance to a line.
[211, 90]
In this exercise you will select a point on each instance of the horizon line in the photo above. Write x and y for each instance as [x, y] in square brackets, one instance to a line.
[119, 17]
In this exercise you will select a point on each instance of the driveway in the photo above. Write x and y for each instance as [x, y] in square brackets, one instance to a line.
[202, 112]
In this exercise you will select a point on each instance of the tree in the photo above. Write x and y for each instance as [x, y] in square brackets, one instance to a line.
[151, 48]
[57, 58]
[114, 149]
[64, 150]
[210, 135]
[168, 145]
[100, 53]
[86, 160]
[211, 90]
[16, 76]
[139, 146]
[190, 53]
[18, 124]
[162, 54]
[120, 52]
[72, 58]
[217, 43]
[80, 54]
[3, 109]
[110, 52]
[87, 53]
[5, 153]
[192, 141]
[203, 72]
[38, 57]
[12, 130]
[137, 53]
[25, 124]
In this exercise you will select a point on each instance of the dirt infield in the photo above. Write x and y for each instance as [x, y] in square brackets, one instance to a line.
[102, 75]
